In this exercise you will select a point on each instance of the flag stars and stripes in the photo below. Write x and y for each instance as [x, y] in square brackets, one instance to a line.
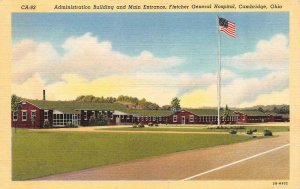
[227, 27]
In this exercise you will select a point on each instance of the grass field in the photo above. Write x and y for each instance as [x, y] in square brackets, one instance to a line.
[200, 129]
[41, 153]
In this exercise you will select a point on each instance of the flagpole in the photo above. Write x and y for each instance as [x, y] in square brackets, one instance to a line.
[219, 72]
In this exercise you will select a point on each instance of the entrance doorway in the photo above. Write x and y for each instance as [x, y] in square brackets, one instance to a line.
[118, 120]
[183, 120]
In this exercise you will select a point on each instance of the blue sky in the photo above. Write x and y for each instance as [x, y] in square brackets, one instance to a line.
[190, 37]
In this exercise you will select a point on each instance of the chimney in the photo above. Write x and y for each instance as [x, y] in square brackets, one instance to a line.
[44, 95]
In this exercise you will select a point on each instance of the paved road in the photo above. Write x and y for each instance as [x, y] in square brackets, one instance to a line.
[274, 165]
[181, 165]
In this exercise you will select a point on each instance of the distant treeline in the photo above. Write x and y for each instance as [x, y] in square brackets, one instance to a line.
[131, 102]
[135, 103]
[279, 109]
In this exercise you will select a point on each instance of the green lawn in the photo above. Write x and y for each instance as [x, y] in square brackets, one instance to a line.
[41, 153]
[201, 129]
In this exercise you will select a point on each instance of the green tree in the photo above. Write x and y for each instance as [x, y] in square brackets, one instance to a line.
[260, 109]
[79, 98]
[175, 104]
[15, 106]
[166, 107]
[226, 113]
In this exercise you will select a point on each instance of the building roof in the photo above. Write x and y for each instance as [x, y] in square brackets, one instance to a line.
[252, 112]
[209, 112]
[74, 107]
[276, 114]
[161, 113]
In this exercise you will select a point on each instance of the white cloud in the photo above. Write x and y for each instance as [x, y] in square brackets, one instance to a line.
[158, 87]
[241, 92]
[89, 66]
[247, 90]
[31, 88]
[84, 55]
[271, 55]
[278, 97]
[162, 87]
[30, 57]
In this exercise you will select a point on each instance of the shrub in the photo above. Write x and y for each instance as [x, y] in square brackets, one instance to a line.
[156, 125]
[98, 120]
[71, 125]
[250, 132]
[233, 132]
[134, 125]
[141, 125]
[102, 120]
[267, 133]
[150, 124]
[254, 130]
[46, 124]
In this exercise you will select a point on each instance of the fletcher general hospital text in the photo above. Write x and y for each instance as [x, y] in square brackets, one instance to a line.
[170, 7]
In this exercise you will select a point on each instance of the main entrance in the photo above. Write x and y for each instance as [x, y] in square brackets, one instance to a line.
[183, 120]
[118, 120]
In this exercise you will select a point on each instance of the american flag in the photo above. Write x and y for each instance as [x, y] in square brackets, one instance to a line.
[227, 27]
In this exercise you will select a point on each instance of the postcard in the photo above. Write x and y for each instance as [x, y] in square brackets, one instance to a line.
[149, 94]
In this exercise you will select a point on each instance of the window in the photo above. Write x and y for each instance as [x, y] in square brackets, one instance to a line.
[24, 115]
[46, 115]
[154, 119]
[192, 118]
[174, 118]
[85, 115]
[15, 116]
[33, 115]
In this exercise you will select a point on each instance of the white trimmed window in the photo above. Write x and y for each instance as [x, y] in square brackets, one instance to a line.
[154, 119]
[24, 115]
[192, 118]
[159, 118]
[46, 114]
[15, 116]
[33, 114]
[85, 115]
[174, 118]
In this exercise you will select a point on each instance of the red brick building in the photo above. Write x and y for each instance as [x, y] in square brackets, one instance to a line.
[252, 116]
[35, 113]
